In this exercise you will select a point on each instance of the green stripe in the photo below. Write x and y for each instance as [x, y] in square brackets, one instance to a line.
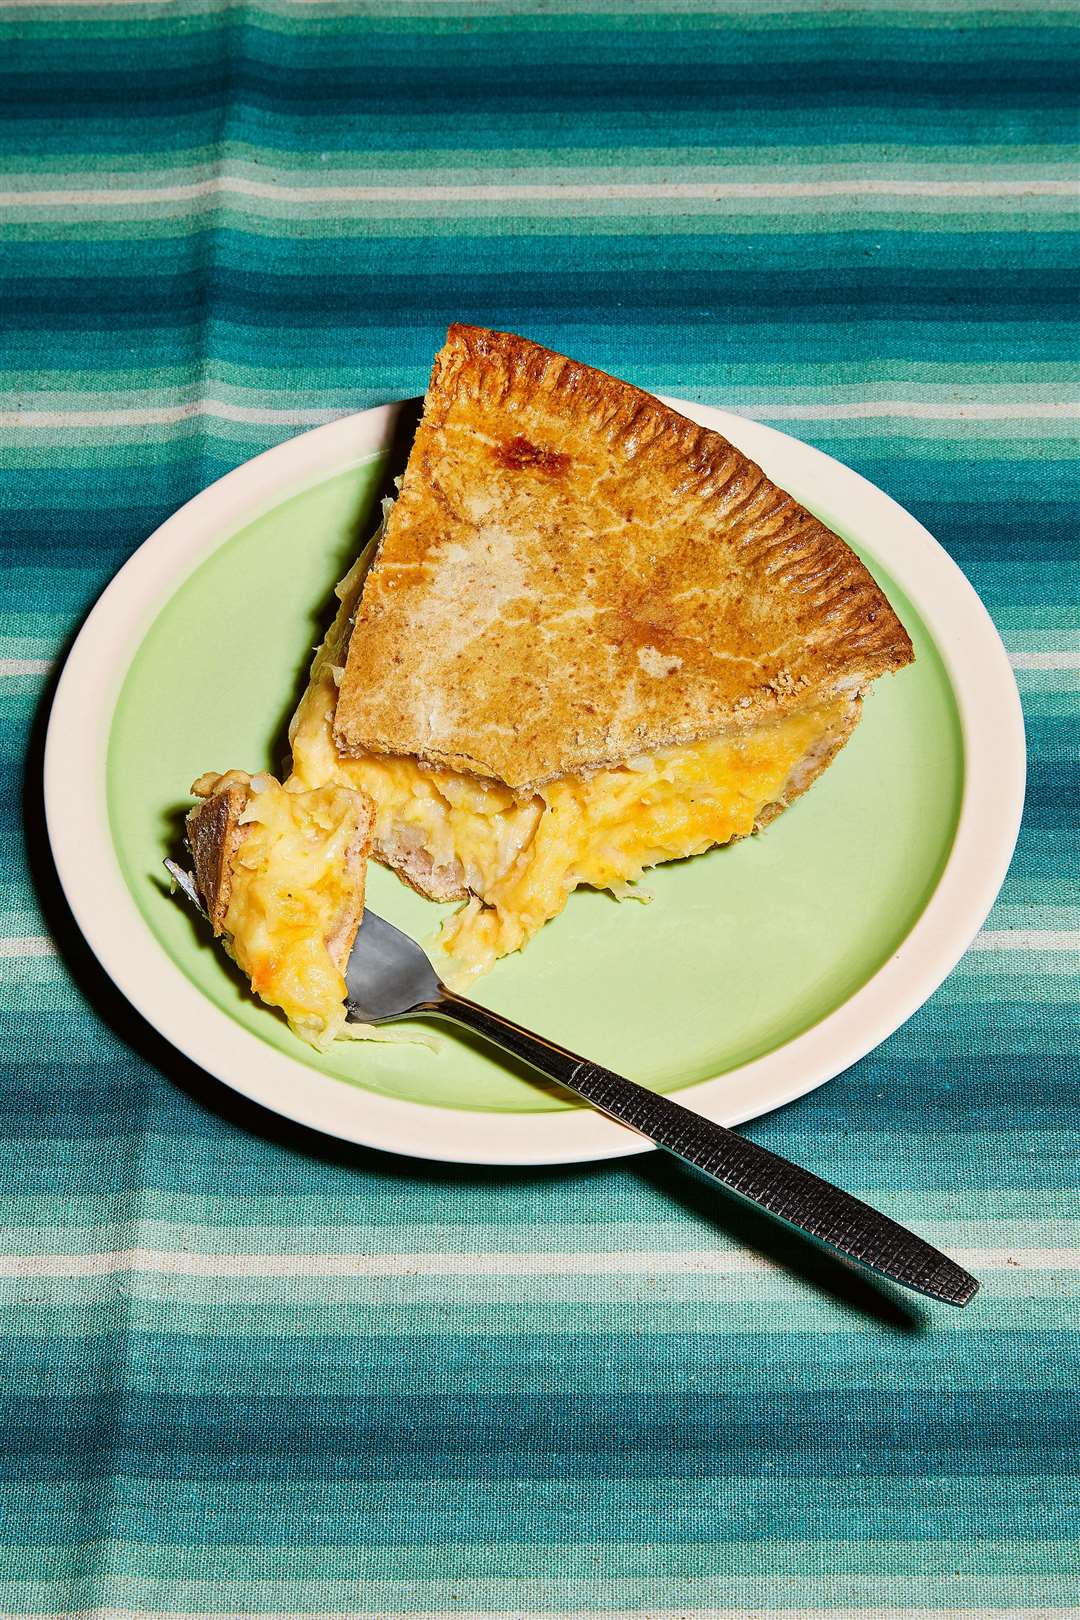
[236, 1592]
[356, 163]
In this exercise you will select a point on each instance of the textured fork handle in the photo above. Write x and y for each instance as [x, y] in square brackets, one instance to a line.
[751, 1172]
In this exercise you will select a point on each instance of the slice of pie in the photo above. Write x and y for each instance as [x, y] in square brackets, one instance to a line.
[590, 637]
[281, 875]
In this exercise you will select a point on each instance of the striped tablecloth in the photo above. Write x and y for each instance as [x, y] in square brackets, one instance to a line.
[246, 1373]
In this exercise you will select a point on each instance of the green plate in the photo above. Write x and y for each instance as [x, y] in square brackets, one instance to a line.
[741, 949]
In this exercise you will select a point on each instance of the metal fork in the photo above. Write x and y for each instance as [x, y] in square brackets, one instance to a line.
[389, 977]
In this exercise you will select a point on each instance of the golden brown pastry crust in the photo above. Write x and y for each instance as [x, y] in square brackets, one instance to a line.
[575, 574]
[214, 836]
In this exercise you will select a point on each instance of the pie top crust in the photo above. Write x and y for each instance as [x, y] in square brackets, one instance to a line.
[574, 575]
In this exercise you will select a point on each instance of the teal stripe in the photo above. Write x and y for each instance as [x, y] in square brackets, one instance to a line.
[352, 162]
[652, 1248]
[87, 1220]
[129, 1156]
[938, 256]
[268, 1367]
[340, 1595]
[634, 35]
[697, 1535]
[249, 381]
[495, 1562]
[727, 1309]
[544, 133]
[267, 218]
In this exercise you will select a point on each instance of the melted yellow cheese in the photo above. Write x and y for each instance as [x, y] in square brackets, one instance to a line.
[295, 887]
[606, 829]
[520, 860]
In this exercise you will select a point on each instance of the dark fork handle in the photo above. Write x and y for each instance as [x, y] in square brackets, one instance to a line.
[750, 1172]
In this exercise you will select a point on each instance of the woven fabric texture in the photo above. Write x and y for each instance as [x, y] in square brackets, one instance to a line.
[248, 1374]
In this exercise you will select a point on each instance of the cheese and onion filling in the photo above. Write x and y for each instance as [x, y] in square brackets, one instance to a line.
[520, 860]
[296, 896]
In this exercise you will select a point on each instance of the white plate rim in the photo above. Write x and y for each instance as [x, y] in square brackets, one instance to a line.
[78, 824]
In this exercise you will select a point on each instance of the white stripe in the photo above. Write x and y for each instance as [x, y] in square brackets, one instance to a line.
[949, 410]
[857, 410]
[1027, 939]
[678, 1262]
[181, 1262]
[1068, 659]
[25, 666]
[161, 415]
[72, 196]
[27, 945]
